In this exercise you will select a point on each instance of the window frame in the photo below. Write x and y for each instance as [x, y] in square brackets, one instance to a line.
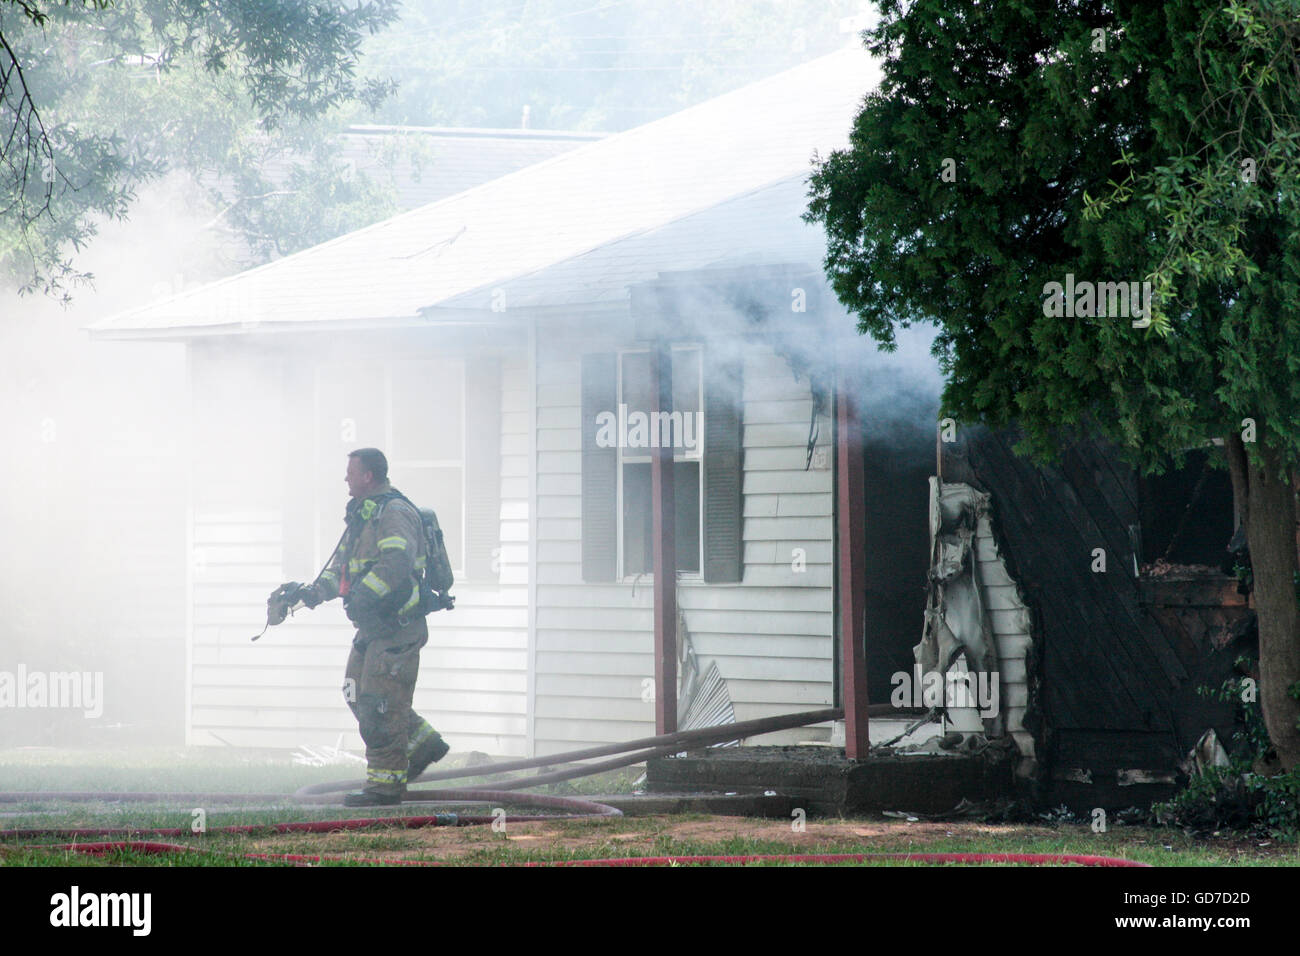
[325, 538]
[696, 455]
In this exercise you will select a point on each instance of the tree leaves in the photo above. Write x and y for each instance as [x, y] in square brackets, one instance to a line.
[213, 67]
[1123, 166]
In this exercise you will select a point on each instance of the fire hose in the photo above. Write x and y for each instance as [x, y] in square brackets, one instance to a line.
[502, 791]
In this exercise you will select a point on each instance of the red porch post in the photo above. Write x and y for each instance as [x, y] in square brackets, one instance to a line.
[851, 526]
[664, 508]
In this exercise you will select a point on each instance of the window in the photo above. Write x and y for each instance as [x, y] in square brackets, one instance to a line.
[413, 411]
[686, 424]
[616, 514]
[1187, 514]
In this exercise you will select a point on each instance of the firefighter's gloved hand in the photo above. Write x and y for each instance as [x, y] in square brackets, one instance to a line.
[281, 599]
[309, 595]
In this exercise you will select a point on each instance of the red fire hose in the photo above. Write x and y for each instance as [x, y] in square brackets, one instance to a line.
[580, 809]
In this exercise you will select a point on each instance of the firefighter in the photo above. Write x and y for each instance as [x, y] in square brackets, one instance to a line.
[374, 569]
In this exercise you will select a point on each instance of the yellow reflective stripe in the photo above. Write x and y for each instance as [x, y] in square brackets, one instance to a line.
[328, 584]
[412, 601]
[420, 563]
[395, 541]
[385, 776]
[424, 732]
[376, 584]
[357, 564]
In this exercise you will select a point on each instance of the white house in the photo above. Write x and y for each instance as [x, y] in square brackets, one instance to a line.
[483, 341]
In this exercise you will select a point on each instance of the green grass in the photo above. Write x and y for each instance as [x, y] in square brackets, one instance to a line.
[495, 849]
[213, 770]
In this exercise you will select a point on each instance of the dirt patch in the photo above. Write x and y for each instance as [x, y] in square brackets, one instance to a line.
[666, 835]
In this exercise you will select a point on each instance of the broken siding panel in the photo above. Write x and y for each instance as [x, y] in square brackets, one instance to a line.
[1001, 597]
[772, 632]
[1010, 620]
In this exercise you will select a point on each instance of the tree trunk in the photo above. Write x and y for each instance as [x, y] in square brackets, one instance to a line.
[1267, 504]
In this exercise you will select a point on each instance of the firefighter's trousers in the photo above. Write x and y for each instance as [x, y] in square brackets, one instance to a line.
[379, 685]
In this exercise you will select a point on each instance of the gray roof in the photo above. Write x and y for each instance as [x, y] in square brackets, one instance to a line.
[721, 181]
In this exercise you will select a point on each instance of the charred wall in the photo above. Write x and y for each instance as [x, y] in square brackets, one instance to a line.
[1118, 660]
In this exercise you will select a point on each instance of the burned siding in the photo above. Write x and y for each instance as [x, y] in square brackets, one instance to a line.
[1008, 622]
[1117, 690]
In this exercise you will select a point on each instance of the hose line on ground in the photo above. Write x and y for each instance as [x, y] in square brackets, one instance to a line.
[664, 744]
[645, 748]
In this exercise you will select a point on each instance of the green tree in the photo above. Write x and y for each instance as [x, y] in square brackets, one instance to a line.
[98, 98]
[1013, 144]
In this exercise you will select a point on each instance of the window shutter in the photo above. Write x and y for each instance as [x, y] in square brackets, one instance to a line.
[599, 470]
[482, 466]
[723, 467]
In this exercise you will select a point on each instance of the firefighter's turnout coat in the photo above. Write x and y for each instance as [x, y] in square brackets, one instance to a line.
[377, 565]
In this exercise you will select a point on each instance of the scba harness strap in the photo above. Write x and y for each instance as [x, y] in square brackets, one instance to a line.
[432, 570]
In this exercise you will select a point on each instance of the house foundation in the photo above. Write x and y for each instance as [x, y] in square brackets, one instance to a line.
[823, 782]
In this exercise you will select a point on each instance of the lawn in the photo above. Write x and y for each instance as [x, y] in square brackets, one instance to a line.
[263, 774]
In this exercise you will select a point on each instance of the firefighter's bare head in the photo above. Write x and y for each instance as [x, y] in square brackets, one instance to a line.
[367, 470]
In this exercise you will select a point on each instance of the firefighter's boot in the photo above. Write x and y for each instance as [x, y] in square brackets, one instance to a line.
[372, 798]
[427, 747]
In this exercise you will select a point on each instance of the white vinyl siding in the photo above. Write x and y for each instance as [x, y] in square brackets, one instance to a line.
[284, 690]
[770, 635]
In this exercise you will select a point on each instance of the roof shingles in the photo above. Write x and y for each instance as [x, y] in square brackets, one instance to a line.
[623, 187]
